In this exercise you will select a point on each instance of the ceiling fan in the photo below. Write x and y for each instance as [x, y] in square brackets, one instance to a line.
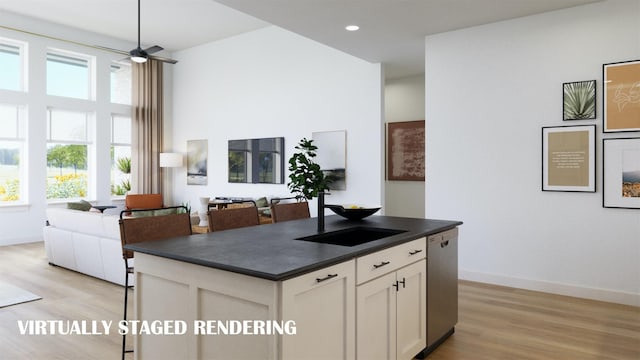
[140, 55]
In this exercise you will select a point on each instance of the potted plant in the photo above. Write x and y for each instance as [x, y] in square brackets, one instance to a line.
[306, 177]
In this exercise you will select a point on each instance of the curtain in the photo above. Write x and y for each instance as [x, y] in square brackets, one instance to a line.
[146, 122]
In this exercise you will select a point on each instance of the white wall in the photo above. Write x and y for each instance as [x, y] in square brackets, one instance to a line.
[273, 83]
[404, 101]
[489, 90]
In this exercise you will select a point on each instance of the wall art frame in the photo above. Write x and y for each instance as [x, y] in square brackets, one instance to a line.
[197, 158]
[569, 158]
[256, 161]
[621, 96]
[579, 100]
[621, 173]
[406, 151]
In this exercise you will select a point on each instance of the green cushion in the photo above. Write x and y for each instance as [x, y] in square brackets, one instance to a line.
[262, 202]
[81, 205]
[159, 212]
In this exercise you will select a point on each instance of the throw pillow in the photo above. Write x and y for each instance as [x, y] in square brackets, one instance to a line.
[262, 202]
[81, 205]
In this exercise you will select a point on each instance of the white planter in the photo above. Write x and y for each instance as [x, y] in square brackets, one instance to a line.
[202, 213]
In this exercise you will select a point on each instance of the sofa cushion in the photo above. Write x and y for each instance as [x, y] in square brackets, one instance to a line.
[81, 205]
[84, 222]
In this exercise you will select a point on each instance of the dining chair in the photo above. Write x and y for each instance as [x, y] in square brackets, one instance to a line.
[138, 225]
[281, 210]
[244, 213]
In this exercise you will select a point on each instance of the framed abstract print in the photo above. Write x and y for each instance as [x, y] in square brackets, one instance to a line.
[621, 96]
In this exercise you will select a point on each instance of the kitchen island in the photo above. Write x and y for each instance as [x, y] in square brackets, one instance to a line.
[346, 302]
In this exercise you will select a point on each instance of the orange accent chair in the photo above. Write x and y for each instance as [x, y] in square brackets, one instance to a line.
[142, 201]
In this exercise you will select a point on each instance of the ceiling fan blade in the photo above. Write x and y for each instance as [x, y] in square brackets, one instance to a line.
[163, 59]
[153, 49]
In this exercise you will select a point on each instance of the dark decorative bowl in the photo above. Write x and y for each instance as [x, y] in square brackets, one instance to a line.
[353, 212]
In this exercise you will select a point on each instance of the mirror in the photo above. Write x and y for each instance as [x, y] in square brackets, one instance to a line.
[257, 161]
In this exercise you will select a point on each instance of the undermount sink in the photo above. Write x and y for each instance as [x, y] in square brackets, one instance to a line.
[352, 236]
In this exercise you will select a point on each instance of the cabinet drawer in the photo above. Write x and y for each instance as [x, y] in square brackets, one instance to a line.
[322, 276]
[382, 262]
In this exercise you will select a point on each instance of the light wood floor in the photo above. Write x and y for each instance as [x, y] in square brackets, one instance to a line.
[494, 322]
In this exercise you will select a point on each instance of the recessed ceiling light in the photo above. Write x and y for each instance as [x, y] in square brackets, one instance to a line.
[352, 27]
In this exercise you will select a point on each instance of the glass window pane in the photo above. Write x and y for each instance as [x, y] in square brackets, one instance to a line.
[67, 171]
[67, 76]
[121, 129]
[120, 170]
[10, 171]
[8, 121]
[10, 67]
[67, 125]
[121, 83]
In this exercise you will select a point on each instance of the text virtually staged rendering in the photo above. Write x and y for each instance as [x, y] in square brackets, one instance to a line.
[287, 180]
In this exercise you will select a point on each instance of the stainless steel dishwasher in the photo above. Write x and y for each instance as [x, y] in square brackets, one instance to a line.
[442, 287]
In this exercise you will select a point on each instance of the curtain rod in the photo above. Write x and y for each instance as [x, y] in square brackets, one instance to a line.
[97, 47]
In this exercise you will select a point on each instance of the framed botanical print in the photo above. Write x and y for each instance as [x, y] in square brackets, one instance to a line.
[568, 158]
[621, 173]
[579, 100]
[621, 96]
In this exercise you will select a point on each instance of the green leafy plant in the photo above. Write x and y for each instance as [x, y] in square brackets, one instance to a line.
[124, 165]
[580, 100]
[187, 205]
[306, 177]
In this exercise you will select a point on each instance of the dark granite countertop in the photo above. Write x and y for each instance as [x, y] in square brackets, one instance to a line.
[271, 251]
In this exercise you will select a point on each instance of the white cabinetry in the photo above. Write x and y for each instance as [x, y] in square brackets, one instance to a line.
[322, 304]
[391, 302]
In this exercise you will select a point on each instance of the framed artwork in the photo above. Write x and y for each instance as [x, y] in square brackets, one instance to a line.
[568, 158]
[332, 156]
[197, 155]
[621, 173]
[579, 100]
[256, 161]
[621, 96]
[405, 150]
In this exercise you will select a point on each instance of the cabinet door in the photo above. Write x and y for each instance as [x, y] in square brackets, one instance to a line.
[411, 310]
[322, 304]
[376, 319]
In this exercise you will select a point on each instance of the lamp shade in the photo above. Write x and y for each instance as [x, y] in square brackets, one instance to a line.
[170, 160]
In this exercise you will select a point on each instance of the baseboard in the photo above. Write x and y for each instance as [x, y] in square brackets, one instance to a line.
[618, 297]
[16, 241]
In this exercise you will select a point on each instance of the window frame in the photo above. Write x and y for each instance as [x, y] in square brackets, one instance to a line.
[91, 71]
[90, 133]
[22, 142]
[22, 54]
[113, 144]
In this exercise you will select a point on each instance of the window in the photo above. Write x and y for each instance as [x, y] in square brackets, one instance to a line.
[121, 83]
[120, 155]
[68, 148]
[69, 75]
[12, 144]
[11, 68]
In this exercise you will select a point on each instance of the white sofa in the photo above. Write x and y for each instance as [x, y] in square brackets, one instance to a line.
[84, 241]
